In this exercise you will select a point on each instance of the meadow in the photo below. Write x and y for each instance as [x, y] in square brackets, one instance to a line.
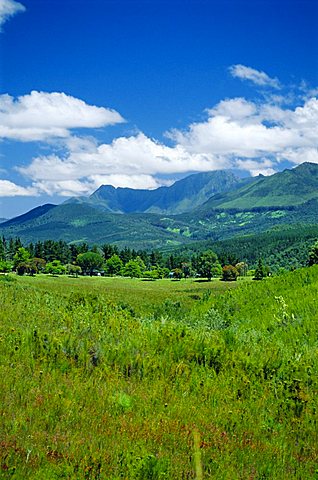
[110, 378]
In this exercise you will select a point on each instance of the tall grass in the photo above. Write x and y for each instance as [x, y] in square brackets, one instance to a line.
[220, 386]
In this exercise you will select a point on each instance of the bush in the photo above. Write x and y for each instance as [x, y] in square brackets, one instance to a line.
[229, 273]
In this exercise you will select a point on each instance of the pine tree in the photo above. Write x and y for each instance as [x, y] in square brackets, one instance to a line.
[260, 271]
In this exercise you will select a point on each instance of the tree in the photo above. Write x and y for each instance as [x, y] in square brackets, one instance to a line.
[5, 266]
[39, 264]
[242, 268]
[151, 274]
[74, 270]
[21, 256]
[229, 273]
[28, 267]
[132, 269]
[313, 255]
[89, 262]
[208, 265]
[177, 273]
[55, 268]
[2, 249]
[114, 265]
[186, 269]
[140, 263]
[260, 271]
[109, 250]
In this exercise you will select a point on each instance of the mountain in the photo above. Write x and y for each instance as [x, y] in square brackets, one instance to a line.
[182, 196]
[283, 189]
[82, 223]
[34, 213]
[282, 200]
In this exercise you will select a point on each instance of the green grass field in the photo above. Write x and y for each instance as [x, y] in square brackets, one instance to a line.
[123, 379]
[141, 295]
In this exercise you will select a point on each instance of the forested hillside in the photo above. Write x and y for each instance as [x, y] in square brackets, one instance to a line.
[85, 221]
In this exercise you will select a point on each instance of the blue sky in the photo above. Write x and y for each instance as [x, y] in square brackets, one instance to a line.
[142, 92]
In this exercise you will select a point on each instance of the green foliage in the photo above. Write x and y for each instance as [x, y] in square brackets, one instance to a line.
[229, 273]
[114, 265]
[208, 265]
[5, 266]
[55, 268]
[91, 389]
[132, 269]
[90, 261]
[177, 273]
[151, 274]
[313, 255]
[74, 270]
[260, 271]
[22, 256]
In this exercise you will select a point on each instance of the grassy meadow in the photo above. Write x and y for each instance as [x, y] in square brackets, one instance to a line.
[113, 379]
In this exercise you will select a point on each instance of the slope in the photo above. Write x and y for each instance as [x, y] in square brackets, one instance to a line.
[283, 189]
[182, 196]
[82, 223]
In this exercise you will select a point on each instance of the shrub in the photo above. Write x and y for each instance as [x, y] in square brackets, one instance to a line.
[229, 273]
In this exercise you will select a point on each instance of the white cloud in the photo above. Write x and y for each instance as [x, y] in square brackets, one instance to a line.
[244, 129]
[64, 188]
[67, 188]
[254, 167]
[8, 8]
[126, 162]
[10, 189]
[135, 155]
[255, 76]
[41, 116]
[131, 181]
[234, 108]
[236, 134]
[300, 155]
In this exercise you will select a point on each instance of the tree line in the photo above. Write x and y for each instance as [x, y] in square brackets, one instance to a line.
[57, 257]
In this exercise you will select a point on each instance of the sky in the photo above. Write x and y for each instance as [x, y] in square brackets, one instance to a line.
[139, 93]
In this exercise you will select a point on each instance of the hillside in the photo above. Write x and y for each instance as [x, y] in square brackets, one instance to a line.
[182, 196]
[219, 218]
[35, 213]
[283, 189]
[83, 223]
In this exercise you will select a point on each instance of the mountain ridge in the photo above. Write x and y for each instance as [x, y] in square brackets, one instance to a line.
[289, 187]
[221, 217]
[180, 197]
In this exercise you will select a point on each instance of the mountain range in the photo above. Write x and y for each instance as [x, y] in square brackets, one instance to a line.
[182, 196]
[213, 205]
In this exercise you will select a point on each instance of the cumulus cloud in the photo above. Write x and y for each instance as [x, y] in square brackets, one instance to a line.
[9, 8]
[41, 116]
[256, 167]
[244, 129]
[255, 76]
[300, 155]
[236, 134]
[67, 188]
[131, 181]
[254, 136]
[126, 162]
[10, 189]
